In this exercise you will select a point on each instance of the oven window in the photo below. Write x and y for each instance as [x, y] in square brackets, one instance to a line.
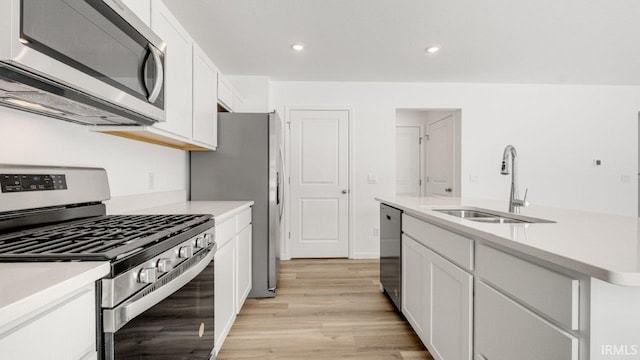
[91, 37]
[178, 328]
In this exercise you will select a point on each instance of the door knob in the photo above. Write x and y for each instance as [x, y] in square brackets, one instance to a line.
[448, 189]
[345, 191]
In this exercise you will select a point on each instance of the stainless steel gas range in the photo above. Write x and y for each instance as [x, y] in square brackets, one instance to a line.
[157, 301]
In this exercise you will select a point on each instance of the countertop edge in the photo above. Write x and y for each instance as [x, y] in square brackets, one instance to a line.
[613, 277]
[231, 213]
[13, 313]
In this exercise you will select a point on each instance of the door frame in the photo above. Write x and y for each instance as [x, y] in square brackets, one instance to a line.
[457, 133]
[285, 254]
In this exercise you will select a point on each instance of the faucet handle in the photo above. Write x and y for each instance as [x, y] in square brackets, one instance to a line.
[523, 202]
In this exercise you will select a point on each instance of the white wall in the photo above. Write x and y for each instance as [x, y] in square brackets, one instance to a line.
[254, 91]
[32, 139]
[557, 129]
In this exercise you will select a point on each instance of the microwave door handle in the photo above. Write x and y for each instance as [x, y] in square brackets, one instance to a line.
[115, 319]
[159, 80]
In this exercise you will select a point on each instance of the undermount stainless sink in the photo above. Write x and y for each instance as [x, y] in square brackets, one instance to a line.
[490, 216]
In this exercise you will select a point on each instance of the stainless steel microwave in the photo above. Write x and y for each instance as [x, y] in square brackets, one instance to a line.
[86, 61]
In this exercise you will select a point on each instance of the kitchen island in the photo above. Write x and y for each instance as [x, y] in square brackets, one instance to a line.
[567, 289]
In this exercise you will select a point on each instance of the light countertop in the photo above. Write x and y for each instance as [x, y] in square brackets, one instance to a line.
[27, 287]
[603, 246]
[221, 210]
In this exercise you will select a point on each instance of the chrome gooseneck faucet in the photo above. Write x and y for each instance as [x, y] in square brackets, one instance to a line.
[514, 203]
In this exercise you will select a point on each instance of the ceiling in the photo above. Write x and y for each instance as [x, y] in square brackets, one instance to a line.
[497, 41]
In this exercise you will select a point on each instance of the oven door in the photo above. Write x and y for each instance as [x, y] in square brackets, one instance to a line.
[96, 46]
[173, 322]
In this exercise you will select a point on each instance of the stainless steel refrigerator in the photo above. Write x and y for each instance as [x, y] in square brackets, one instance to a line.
[248, 165]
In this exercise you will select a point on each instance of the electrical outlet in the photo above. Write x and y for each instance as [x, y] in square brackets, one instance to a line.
[152, 180]
[376, 232]
[625, 179]
[474, 179]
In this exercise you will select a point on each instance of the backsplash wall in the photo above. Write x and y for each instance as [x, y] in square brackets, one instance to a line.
[37, 140]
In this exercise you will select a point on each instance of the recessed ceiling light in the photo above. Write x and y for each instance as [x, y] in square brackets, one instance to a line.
[297, 47]
[433, 49]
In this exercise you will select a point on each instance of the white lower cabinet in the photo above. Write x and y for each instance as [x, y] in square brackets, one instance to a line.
[437, 301]
[506, 330]
[414, 285]
[224, 293]
[64, 331]
[232, 271]
[520, 309]
[449, 309]
[244, 266]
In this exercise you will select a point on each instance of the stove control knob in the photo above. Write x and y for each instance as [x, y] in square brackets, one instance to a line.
[165, 265]
[201, 242]
[186, 252]
[208, 237]
[147, 276]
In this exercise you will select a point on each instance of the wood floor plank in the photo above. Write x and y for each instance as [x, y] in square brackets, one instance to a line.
[325, 309]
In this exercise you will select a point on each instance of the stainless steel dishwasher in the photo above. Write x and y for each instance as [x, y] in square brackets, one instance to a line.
[391, 253]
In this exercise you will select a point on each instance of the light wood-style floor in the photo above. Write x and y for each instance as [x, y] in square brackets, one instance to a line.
[325, 309]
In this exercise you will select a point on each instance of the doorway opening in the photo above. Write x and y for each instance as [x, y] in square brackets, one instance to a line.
[428, 152]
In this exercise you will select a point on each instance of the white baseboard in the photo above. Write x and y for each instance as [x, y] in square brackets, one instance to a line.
[130, 203]
[366, 255]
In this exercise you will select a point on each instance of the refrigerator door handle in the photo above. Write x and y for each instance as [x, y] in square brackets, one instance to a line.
[284, 177]
[277, 188]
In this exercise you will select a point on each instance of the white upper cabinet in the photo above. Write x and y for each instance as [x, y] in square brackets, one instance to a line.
[178, 70]
[142, 8]
[205, 96]
[225, 92]
[193, 87]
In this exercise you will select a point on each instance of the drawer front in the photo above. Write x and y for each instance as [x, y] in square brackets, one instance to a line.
[66, 332]
[225, 231]
[456, 248]
[507, 331]
[243, 219]
[553, 294]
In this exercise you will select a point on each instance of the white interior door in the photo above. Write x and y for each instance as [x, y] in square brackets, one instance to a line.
[319, 184]
[408, 181]
[441, 157]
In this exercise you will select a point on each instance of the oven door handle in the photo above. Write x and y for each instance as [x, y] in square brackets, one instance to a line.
[114, 319]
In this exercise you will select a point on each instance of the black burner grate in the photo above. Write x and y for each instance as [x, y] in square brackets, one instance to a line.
[104, 238]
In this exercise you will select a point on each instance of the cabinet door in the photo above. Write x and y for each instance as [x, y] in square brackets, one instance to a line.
[244, 266]
[414, 284]
[205, 99]
[142, 9]
[67, 331]
[506, 331]
[449, 309]
[178, 70]
[225, 293]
